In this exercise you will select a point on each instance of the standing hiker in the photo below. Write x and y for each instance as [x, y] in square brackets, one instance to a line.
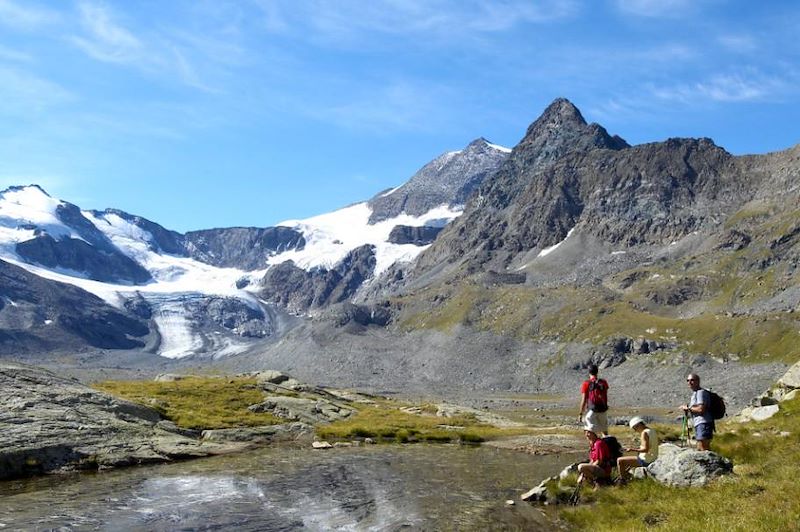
[594, 401]
[647, 449]
[699, 408]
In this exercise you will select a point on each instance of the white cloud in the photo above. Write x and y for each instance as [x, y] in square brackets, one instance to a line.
[25, 17]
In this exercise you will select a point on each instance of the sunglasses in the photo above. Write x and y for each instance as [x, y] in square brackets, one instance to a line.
[691, 380]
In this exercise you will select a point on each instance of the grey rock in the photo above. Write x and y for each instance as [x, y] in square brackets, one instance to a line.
[678, 466]
[447, 180]
[230, 313]
[303, 409]
[791, 379]
[49, 315]
[290, 432]
[53, 424]
[417, 235]
[247, 248]
[299, 290]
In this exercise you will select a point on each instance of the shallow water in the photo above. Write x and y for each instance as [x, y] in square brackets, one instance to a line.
[384, 487]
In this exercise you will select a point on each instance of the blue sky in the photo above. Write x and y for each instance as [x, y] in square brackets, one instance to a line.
[213, 113]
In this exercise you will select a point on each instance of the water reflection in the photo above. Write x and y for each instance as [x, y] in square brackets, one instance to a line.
[415, 487]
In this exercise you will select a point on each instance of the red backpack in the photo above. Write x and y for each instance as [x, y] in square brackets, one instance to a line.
[598, 399]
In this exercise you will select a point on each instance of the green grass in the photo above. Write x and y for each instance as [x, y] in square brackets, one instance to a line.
[197, 402]
[385, 421]
[763, 494]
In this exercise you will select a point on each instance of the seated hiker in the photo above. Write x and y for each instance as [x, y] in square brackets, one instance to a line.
[598, 470]
[648, 449]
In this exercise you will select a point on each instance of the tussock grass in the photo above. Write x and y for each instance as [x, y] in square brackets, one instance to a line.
[763, 494]
[197, 402]
[385, 421]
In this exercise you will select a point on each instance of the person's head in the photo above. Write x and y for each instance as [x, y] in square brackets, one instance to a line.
[637, 424]
[593, 369]
[693, 380]
[590, 435]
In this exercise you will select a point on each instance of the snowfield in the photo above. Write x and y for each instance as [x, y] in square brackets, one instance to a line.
[330, 237]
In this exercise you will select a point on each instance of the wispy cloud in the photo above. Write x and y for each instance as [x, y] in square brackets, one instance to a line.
[348, 20]
[398, 106]
[656, 8]
[105, 39]
[735, 87]
[25, 17]
[22, 93]
[9, 54]
[740, 43]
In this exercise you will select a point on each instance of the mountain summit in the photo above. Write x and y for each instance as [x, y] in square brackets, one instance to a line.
[447, 180]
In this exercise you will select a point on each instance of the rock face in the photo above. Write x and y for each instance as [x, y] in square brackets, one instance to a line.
[300, 290]
[447, 180]
[247, 248]
[52, 424]
[419, 236]
[232, 314]
[566, 174]
[37, 314]
[677, 466]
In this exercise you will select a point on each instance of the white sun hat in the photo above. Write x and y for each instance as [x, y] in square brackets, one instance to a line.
[635, 420]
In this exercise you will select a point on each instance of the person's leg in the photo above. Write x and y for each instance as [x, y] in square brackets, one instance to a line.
[592, 472]
[703, 434]
[625, 464]
[602, 422]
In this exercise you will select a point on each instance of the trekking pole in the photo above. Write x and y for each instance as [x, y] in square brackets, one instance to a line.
[576, 495]
[684, 431]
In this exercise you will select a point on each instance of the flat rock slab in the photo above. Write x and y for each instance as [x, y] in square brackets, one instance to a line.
[289, 432]
[49, 423]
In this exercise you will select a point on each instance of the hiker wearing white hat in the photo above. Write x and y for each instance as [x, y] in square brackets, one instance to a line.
[647, 450]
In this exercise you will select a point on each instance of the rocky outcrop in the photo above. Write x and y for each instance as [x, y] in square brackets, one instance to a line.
[247, 248]
[99, 264]
[232, 314]
[677, 466]
[298, 290]
[53, 424]
[419, 236]
[447, 180]
[306, 410]
[39, 315]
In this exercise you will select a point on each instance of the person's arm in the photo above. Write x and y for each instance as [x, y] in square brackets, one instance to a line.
[584, 398]
[644, 444]
[700, 408]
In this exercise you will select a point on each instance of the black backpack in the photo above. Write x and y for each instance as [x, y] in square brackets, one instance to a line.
[717, 405]
[596, 398]
[615, 448]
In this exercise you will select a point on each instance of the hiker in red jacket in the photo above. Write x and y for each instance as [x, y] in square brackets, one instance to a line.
[594, 401]
[600, 463]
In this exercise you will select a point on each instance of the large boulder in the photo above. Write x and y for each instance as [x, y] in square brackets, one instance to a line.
[677, 466]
